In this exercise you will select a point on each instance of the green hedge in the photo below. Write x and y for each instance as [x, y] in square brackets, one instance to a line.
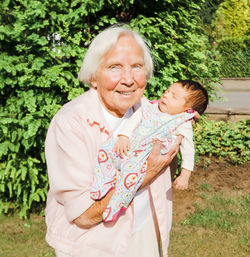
[230, 142]
[234, 57]
[230, 31]
[42, 44]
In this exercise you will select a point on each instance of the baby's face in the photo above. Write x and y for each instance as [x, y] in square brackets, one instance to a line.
[174, 100]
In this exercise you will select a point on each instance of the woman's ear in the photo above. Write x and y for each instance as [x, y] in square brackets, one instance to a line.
[93, 83]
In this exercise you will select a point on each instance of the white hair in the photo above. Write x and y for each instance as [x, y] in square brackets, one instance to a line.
[100, 46]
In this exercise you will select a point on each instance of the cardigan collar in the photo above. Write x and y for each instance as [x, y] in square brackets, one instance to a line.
[95, 115]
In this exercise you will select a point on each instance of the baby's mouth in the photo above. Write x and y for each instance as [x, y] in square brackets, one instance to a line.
[164, 104]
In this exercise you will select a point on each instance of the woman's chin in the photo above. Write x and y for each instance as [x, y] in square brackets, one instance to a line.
[126, 102]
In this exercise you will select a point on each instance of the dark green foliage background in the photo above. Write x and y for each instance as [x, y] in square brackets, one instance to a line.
[42, 44]
[208, 10]
[226, 23]
[234, 57]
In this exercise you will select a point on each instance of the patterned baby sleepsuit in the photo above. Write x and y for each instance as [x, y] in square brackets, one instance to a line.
[127, 173]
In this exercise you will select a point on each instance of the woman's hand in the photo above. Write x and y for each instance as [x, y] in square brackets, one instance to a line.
[196, 117]
[157, 161]
[93, 215]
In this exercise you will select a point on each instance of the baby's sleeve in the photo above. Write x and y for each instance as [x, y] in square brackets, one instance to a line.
[187, 145]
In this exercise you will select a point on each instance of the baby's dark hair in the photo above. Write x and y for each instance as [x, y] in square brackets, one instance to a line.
[198, 96]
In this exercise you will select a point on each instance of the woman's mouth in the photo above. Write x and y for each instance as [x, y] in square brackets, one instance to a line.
[125, 93]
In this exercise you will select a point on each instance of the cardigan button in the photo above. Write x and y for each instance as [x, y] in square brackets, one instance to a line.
[164, 236]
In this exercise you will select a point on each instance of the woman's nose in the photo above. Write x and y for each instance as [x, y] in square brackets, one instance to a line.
[127, 77]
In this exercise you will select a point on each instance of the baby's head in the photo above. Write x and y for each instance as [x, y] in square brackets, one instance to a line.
[184, 95]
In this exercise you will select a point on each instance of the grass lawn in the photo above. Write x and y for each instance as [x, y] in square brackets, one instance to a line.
[23, 238]
[219, 226]
[210, 219]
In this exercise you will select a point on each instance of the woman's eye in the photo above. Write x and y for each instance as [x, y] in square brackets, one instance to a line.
[137, 67]
[113, 67]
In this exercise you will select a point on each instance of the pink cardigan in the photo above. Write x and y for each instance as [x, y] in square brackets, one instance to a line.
[74, 135]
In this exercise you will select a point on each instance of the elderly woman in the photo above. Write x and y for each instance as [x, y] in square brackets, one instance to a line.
[116, 66]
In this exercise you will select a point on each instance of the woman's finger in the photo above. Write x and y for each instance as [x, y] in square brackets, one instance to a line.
[125, 152]
[156, 150]
[175, 147]
[196, 116]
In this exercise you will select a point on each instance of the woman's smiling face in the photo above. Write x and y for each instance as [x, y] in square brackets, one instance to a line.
[121, 78]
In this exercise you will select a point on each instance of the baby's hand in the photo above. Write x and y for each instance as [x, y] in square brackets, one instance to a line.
[181, 182]
[122, 145]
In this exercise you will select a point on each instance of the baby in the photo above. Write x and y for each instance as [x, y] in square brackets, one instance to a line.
[122, 162]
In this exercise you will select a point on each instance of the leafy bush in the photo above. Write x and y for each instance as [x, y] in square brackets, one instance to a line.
[208, 10]
[234, 57]
[180, 47]
[230, 33]
[223, 140]
[42, 44]
[231, 19]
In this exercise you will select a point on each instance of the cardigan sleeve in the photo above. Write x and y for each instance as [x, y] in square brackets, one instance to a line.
[68, 163]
